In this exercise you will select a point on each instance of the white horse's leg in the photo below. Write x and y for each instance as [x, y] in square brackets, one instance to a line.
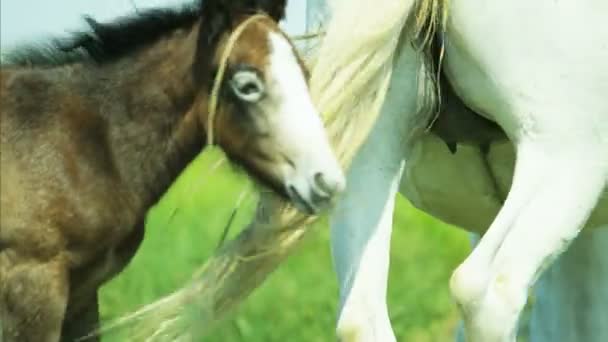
[361, 224]
[460, 329]
[524, 324]
[571, 297]
[361, 231]
[555, 188]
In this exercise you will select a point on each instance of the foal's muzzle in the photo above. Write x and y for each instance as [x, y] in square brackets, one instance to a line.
[316, 191]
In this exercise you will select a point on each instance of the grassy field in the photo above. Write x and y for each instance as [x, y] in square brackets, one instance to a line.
[298, 302]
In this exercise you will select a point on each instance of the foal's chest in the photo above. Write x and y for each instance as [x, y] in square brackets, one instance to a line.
[86, 279]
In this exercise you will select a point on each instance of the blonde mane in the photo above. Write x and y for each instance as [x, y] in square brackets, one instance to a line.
[351, 70]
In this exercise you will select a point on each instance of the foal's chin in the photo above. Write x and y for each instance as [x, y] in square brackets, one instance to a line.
[309, 192]
[313, 190]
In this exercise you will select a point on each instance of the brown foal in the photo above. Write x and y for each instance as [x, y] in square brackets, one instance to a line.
[94, 130]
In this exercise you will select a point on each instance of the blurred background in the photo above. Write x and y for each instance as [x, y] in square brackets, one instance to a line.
[298, 302]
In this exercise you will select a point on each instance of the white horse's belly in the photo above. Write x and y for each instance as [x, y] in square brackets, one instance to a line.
[457, 189]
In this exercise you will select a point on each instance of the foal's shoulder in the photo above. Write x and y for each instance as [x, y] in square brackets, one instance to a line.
[28, 91]
[22, 83]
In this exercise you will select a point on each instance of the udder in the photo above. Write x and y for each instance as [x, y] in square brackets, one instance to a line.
[460, 190]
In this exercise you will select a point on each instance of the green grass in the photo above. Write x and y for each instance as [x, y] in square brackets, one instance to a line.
[298, 302]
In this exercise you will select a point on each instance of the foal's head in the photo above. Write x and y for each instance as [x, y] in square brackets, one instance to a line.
[265, 119]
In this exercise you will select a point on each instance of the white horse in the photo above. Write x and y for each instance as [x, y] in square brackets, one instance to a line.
[540, 70]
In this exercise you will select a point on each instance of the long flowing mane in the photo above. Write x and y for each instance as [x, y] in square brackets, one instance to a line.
[106, 42]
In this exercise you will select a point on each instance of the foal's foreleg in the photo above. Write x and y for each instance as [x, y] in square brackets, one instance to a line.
[554, 190]
[33, 298]
[84, 324]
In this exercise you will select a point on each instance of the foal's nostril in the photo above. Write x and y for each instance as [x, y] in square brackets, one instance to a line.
[322, 183]
[299, 200]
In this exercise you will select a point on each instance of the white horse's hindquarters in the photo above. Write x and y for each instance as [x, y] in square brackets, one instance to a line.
[539, 69]
[533, 66]
[457, 189]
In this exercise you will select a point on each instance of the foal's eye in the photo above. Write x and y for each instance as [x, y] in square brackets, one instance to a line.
[247, 86]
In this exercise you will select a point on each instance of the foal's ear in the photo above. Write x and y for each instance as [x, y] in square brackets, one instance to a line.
[274, 8]
[215, 19]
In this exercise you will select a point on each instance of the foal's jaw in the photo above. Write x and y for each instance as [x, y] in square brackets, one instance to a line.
[311, 174]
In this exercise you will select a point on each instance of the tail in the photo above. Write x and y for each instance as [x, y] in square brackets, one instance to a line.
[352, 68]
[350, 75]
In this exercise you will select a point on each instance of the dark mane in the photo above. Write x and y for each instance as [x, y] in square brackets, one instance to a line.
[106, 42]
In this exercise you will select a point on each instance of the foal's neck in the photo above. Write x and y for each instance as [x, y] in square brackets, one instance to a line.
[148, 100]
